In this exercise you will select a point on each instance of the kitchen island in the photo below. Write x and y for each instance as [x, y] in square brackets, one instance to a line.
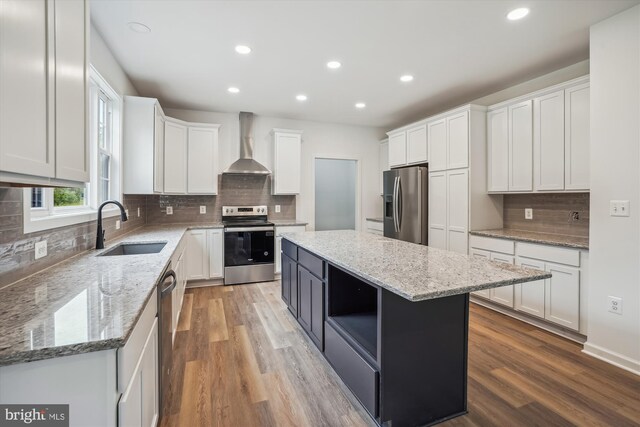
[390, 317]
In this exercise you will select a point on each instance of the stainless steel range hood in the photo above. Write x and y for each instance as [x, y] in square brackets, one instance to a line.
[245, 165]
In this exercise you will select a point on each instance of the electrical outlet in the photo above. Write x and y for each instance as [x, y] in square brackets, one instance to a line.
[41, 249]
[138, 212]
[277, 208]
[126, 212]
[615, 305]
[528, 213]
[203, 209]
[169, 210]
[117, 224]
[619, 208]
[41, 294]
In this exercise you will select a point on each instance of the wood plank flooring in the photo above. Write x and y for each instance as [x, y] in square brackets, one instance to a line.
[241, 360]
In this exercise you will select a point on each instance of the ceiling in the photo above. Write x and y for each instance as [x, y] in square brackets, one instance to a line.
[457, 51]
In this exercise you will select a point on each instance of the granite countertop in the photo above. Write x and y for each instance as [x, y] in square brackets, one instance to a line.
[536, 237]
[86, 303]
[287, 222]
[415, 272]
[375, 219]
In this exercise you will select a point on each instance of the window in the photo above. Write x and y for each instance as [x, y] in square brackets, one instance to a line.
[47, 208]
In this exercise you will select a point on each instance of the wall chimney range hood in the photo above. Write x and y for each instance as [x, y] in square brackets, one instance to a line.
[246, 165]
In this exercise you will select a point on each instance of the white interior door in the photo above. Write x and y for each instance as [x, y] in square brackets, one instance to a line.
[335, 194]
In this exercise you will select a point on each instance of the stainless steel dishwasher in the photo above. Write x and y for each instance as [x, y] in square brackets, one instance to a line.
[165, 347]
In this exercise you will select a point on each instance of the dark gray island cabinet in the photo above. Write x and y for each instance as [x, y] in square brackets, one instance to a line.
[402, 354]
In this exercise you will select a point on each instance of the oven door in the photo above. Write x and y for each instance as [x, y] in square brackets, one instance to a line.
[248, 246]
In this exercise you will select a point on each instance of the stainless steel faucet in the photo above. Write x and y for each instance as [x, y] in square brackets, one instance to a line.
[100, 233]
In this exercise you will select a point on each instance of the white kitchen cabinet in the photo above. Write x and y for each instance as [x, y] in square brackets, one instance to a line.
[438, 210]
[287, 151]
[202, 160]
[437, 137]
[417, 149]
[504, 294]
[484, 255]
[458, 140]
[457, 210]
[374, 227]
[280, 230]
[43, 114]
[548, 141]
[530, 296]
[562, 295]
[215, 247]
[521, 146]
[197, 255]
[383, 162]
[175, 157]
[157, 143]
[576, 143]
[498, 150]
[397, 149]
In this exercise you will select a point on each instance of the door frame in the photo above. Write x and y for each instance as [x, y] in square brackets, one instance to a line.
[358, 186]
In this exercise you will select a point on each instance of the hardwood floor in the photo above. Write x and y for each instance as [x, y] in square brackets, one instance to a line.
[240, 359]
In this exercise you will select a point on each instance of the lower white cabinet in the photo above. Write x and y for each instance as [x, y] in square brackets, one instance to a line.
[486, 255]
[562, 296]
[504, 294]
[278, 243]
[205, 254]
[530, 296]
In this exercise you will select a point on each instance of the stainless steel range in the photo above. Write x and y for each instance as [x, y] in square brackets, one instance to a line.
[249, 245]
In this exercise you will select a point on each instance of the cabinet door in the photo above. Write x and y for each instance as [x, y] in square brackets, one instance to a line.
[548, 141]
[398, 149]
[562, 294]
[278, 254]
[26, 87]
[520, 147]
[158, 151]
[576, 145]
[71, 64]
[485, 255]
[311, 305]
[458, 210]
[417, 144]
[498, 150]
[202, 161]
[502, 295]
[383, 163]
[289, 279]
[437, 139]
[216, 253]
[438, 210]
[175, 158]
[304, 298]
[197, 257]
[530, 295]
[286, 168]
[458, 141]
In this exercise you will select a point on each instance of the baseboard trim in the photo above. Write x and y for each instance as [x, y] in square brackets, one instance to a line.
[205, 283]
[613, 358]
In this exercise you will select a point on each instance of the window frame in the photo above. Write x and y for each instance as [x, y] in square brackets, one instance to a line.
[48, 216]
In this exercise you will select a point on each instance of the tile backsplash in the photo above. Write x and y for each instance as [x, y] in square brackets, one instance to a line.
[552, 213]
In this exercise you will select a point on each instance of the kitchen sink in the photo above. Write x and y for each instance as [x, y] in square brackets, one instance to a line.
[134, 249]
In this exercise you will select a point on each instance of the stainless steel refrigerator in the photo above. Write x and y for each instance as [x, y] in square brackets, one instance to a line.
[405, 204]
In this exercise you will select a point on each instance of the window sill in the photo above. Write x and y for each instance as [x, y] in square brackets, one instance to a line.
[32, 225]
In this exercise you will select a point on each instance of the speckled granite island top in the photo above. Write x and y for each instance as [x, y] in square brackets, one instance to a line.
[412, 271]
[87, 303]
[536, 237]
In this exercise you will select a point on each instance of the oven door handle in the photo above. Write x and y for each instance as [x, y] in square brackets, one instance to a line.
[240, 229]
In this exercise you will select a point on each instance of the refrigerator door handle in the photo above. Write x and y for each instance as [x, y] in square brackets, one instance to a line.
[395, 204]
[400, 201]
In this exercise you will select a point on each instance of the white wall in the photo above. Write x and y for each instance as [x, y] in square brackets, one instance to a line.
[615, 175]
[318, 140]
[103, 60]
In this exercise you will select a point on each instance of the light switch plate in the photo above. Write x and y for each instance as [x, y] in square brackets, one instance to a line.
[169, 210]
[41, 249]
[528, 213]
[41, 294]
[203, 209]
[615, 305]
[117, 224]
[277, 208]
[619, 208]
[138, 212]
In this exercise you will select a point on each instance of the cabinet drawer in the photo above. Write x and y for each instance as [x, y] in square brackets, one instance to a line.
[289, 249]
[491, 244]
[311, 262]
[357, 374]
[550, 253]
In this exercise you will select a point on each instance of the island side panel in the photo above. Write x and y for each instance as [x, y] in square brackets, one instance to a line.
[423, 361]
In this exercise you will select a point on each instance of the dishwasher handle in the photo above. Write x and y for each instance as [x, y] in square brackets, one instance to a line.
[174, 281]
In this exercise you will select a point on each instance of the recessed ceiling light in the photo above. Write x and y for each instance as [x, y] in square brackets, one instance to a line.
[138, 27]
[334, 65]
[360, 105]
[233, 89]
[406, 78]
[243, 50]
[301, 97]
[518, 13]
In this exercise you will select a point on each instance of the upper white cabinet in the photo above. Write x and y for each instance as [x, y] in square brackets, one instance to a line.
[287, 152]
[546, 145]
[408, 145]
[458, 140]
[383, 162]
[417, 149]
[397, 149]
[437, 144]
[166, 155]
[43, 107]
